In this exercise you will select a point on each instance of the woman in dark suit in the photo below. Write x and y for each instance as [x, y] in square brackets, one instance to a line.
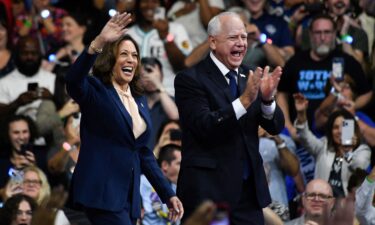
[115, 128]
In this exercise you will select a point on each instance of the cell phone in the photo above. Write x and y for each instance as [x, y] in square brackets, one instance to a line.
[159, 13]
[175, 134]
[347, 132]
[338, 68]
[76, 119]
[26, 147]
[221, 216]
[16, 176]
[32, 86]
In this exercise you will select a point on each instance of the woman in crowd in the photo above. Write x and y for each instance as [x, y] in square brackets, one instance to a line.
[335, 160]
[35, 185]
[6, 57]
[18, 210]
[115, 128]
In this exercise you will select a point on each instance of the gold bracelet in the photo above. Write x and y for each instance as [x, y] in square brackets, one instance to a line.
[94, 48]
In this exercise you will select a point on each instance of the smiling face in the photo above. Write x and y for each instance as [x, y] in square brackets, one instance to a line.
[71, 29]
[31, 184]
[229, 45]
[126, 63]
[19, 133]
[338, 7]
[3, 37]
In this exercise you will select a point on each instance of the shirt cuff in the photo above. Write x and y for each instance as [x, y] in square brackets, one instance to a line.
[268, 110]
[239, 109]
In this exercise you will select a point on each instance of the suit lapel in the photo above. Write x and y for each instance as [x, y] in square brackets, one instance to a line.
[116, 99]
[217, 77]
[242, 79]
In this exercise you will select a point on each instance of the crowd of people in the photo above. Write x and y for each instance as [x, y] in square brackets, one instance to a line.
[190, 112]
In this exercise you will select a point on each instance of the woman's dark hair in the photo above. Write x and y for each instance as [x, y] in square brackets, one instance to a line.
[9, 211]
[329, 126]
[105, 62]
[7, 145]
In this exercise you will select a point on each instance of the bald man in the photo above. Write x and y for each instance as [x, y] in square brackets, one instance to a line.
[317, 196]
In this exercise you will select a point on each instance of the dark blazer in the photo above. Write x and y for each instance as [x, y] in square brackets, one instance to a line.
[111, 160]
[214, 142]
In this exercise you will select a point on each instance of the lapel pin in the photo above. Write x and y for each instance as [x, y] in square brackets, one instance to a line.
[242, 75]
[142, 104]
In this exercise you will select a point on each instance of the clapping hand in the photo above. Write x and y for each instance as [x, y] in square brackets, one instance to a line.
[269, 83]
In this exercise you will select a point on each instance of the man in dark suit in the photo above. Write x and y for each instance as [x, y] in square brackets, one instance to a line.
[220, 118]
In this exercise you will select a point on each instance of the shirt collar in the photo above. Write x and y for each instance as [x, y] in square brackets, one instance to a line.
[223, 69]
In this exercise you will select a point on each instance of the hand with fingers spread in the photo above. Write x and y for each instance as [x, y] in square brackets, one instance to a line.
[269, 82]
[113, 30]
[252, 87]
[176, 210]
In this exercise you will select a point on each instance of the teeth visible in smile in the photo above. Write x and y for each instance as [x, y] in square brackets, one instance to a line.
[127, 69]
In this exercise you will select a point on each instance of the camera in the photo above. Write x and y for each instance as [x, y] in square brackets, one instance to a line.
[32, 86]
[159, 13]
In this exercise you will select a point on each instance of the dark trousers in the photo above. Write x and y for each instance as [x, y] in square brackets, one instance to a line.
[101, 217]
[247, 211]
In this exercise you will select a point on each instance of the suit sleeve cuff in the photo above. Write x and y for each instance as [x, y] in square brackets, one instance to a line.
[239, 109]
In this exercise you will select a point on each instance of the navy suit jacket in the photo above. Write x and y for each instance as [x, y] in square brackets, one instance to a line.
[214, 142]
[111, 160]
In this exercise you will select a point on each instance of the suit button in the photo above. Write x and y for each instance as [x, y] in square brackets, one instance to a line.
[220, 119]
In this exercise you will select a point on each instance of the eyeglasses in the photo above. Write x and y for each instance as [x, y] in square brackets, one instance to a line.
[33, 182]
[320, 32]
[27, 213]
[319, 196]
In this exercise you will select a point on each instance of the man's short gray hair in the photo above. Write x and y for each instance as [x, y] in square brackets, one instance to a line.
[214, 26]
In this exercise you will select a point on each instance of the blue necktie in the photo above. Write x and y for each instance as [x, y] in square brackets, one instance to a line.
[231, 75]
[235, 93]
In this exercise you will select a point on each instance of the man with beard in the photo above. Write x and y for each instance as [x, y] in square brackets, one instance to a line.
[22, 91]
[308, 72]
[350, 35]
[317, 200]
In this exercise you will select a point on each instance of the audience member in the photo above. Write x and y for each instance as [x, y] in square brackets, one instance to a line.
[364, 200]
[318, 198]
[18, 150]
[36, 186]
[168, 133]
[279, 160]
[17, 210]
[166, 41]
[6, 56]
[275, 28]
[308, 71]
[162, 106]
[43, 23]
[23, 89]
[352, 39]
[194, 16]
[335, 160]
[155, 212]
